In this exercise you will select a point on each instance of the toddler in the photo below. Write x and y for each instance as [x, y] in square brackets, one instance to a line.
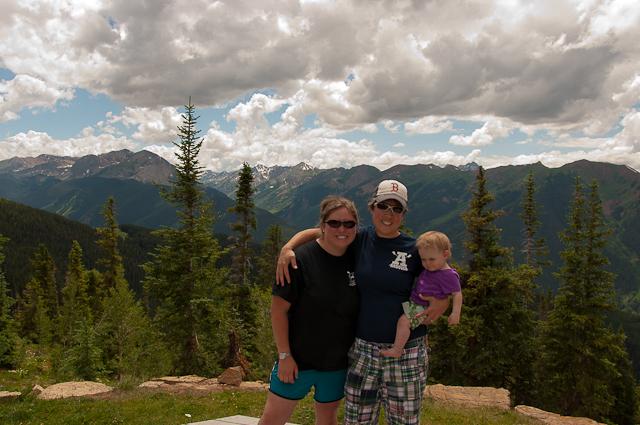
[437, 279]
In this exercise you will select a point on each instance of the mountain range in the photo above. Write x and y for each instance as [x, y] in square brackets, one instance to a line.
[78, 187]
[290, 196]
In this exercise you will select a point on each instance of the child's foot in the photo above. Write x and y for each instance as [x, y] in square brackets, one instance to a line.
[396, 353]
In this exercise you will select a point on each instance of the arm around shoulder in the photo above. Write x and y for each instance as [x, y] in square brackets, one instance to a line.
[287, 256]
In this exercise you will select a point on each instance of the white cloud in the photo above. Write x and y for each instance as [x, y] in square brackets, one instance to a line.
[483, 136]
[623, 148]
[153, 126]
[24, 91]
[34, 143]
[428, 125]
[617, 15]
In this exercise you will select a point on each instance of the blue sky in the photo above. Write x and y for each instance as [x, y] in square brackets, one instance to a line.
[491, 81]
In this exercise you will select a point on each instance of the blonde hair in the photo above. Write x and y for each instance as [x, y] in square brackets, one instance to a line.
[434, 240]
[332, 203]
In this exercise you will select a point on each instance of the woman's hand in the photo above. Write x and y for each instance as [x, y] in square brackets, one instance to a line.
[437, 306]
[288, 370]
[287, 256]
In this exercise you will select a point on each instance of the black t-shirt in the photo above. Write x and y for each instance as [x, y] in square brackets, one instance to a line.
[324, 308]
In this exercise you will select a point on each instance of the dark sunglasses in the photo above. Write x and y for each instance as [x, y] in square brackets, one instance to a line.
[335, 224]
[386, 207]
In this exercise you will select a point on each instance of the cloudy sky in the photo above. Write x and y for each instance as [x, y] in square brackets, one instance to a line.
[330, 83]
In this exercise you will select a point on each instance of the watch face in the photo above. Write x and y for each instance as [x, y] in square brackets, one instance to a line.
[283, 356]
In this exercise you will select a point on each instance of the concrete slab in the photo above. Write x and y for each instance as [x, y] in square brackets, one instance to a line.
[232, 420]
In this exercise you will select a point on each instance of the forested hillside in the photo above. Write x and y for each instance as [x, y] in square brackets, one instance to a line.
[138, 203]
[27, 227]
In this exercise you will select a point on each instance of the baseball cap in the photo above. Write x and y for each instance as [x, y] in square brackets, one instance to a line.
[391, 189]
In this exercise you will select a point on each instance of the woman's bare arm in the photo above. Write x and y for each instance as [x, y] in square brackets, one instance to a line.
[287, 368]
[437, 306]
[287, 256]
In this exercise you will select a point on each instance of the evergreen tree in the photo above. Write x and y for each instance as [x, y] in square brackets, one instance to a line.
[493, 344]
[75, 301]
[38, 308]
[108, 241]
[580, 353]
[242, 291]
[83, 359]
[183, 277]
[532, 247]
[626, 407]
[242, 252]
[130, 344]
[8, 335]
[546, 302]
[94, 279]
[269, 254]
[482, 235]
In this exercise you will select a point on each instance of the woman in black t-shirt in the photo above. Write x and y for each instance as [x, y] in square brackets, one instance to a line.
[314, 320]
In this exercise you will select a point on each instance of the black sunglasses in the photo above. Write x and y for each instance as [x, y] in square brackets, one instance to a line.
[386, 207]
[335, 223]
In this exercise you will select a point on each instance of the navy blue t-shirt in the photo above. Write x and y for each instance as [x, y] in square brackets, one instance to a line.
[385, 273]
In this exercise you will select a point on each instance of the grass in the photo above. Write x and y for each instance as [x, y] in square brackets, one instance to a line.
[163, 408]
[128, 406]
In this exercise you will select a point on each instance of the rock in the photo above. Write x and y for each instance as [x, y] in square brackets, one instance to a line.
[470, 396]
[73, 389]
[553, 418]
[175, 380]
[152, 384]
[37, 389]
[231, 376]
[9, 395]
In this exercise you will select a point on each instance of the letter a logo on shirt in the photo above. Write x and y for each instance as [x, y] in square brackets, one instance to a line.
[400, 262]
[352, 278]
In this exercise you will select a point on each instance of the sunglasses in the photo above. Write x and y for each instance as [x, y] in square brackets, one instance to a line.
[335, 224]
[386, 207]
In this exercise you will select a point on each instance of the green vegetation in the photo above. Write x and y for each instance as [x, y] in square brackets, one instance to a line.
[494, 343]
[126, 405]
[161, 409]
[183, 278]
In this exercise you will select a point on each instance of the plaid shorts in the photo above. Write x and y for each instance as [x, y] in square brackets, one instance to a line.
[374, 380]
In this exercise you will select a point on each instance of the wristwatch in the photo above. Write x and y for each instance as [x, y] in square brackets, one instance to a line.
[283, 356]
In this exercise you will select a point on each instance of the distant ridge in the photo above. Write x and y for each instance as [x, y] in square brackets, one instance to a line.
[143, 166]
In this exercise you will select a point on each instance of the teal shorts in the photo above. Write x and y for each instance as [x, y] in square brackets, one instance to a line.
[329, 385]
[411, 309]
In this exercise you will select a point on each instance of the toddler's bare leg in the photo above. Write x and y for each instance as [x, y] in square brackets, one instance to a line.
[403, 331]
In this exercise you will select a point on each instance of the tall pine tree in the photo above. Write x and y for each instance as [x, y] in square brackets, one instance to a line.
[580, 356]
[242, 251]
[183, 277]
[532, 248]
[493, 344]
[242, 290]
